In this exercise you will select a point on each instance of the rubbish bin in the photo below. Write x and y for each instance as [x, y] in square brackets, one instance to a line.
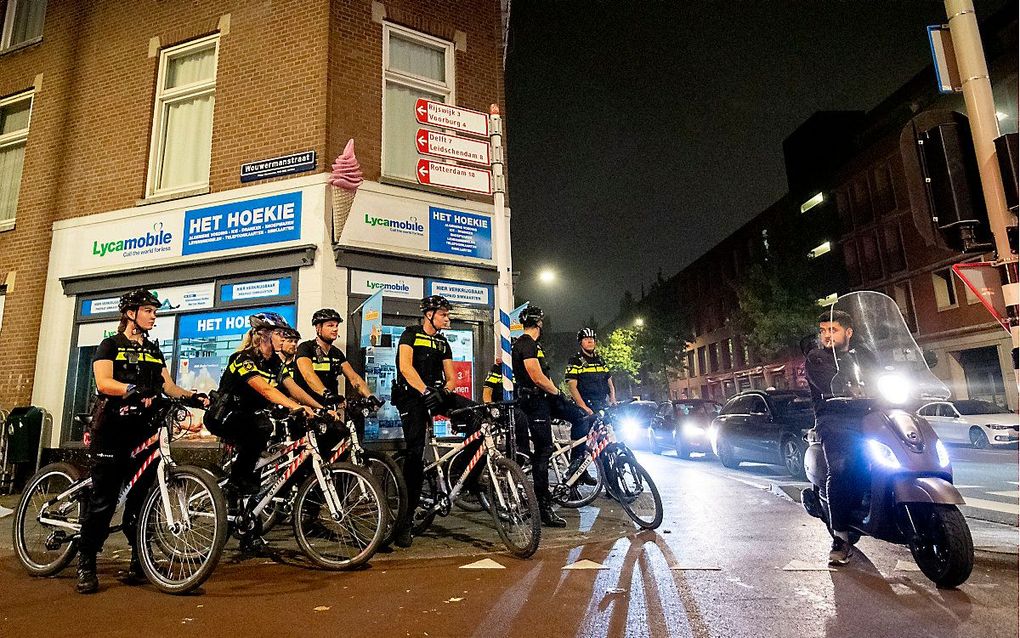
[24, 435]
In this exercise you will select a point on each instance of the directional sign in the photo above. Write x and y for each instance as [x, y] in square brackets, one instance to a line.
[461, 178]
[452, 117]
[458, 148]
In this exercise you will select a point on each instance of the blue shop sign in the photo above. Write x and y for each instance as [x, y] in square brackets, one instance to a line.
[225, 323]
[455, 232]
[276, 287]
[459, 292]
[252, 222]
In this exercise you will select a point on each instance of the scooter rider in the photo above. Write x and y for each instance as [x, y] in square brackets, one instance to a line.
[423, 388]
[130, 372]
[837, 428]
[541, 401]
[588, 376]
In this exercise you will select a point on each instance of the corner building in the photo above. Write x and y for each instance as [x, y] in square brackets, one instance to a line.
[187, 147]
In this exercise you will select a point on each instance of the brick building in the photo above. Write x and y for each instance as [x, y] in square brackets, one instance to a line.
[131, 121]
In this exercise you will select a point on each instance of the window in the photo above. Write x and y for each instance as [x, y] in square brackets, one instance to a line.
[745, 352]
[701, 361]
[415, 66]
[905, 300]
[929, 410]
[820, 250]
[870, 259]
[15, 113]
[727, 354]
[846, 220]
[892, 246]
[853, 264]
[945, 290]
[23, 21]
[882, 190]
[182, 122]
[689, 370]
[713, 357]
[862, 202]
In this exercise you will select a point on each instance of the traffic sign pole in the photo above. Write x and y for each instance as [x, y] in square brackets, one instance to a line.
[501, 242]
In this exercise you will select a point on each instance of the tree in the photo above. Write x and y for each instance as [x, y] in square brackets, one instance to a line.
[618, 350]
[776, 309]
[661, 347]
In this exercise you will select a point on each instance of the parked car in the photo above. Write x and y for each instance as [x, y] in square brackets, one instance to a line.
[764, 426]
[633, 420]
[683, 425]
[970, 421]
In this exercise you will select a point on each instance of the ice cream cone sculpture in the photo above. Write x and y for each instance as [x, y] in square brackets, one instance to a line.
[345, 179]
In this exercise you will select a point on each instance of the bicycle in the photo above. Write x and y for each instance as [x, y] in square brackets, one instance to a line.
[182, 523]
[510, 498]
[617, 469]
[338, 516]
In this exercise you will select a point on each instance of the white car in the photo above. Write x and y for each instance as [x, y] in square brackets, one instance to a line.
[978, 423]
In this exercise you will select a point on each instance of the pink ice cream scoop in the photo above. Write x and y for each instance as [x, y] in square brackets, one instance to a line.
[346, 170]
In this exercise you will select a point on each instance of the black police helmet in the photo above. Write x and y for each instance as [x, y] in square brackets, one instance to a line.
[326, 314]
[138, 298]
[531, 315]
[585, 333]
[290, 333]
[434, 302]
[268, 320]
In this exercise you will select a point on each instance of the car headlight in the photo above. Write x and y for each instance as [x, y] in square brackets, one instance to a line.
[693, 430]
[894, 388]
[629, 426]
[882, 454]
[943, 453]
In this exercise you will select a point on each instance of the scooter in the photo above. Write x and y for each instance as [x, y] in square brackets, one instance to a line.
[907, 494]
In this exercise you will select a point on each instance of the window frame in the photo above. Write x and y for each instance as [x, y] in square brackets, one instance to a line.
[414, 82]
[15, 138]
[165, 97]
[8, 27]
[950, 289]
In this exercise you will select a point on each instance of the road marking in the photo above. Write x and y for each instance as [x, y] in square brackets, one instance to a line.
[968, 487]
[995, 506]
[906, 566]
[5, 512]
[802, 566]
[1013, 483]
[585, 564]
[696, 567]
[485, 563]
[589, 514]
[1007, 494]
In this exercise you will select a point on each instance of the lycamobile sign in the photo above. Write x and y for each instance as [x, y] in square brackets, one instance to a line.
[157, 241]
[410, 226]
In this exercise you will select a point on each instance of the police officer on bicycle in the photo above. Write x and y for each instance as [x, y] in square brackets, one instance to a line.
[541, 401]
[423, 388]
[130, 373]
[588, 376]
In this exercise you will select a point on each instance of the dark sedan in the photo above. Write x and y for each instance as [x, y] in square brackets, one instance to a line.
[764, 427]
[632, 421]
[683, 425]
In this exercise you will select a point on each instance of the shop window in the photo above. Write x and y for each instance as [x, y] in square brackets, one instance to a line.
[183, 118]
[870, 259]
[892, 246]
[415, 66]
[945, 289]
[23, 22]
[15, 114]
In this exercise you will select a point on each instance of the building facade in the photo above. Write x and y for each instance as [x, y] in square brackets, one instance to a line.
[187, 149]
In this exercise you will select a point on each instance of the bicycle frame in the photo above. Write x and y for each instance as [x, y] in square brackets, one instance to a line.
[598, 439]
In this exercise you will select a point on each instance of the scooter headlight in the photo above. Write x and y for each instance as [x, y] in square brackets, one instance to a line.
[943, 453]
[882, 454]
[894, 388]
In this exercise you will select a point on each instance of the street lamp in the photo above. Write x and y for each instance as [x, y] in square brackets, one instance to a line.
[639, 322]
[547, 276]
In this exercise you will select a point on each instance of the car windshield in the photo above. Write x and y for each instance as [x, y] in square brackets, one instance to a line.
[698, 409]
[973, 406]
[792, 404]
[639, 410]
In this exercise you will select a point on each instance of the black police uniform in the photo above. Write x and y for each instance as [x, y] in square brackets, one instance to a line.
[592, 376]
[428, 354]
[245, 427]
[122, 425]
[540, 408]
[838, 426]
[327, 365]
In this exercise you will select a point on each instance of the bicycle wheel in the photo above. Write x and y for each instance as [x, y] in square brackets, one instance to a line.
[350, 538]
[636, 491]
[516, 513]
[424, 514]
[42, 549]
[178, 557]
[577, 495]
[394, 489]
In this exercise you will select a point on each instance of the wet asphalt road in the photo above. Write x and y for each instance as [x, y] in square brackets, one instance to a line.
[714, 568]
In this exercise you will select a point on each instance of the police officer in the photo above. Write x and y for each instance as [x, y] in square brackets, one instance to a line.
[130, 372]
[320, 364]
[541, 401]
[253, 379]
[588, 376]
[423, 388]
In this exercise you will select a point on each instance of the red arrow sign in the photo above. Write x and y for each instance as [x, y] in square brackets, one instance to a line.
[451, 117]
[461, 178]
[459, 148]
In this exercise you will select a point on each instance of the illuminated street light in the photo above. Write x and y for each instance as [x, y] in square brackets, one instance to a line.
[639, 322]
[547, 276]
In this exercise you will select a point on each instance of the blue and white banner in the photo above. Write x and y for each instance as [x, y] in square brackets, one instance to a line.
[455, 232]
[516, 329]
[371, 320]
[278, 287]
[460, 293]
[226, 323]
[252, 222]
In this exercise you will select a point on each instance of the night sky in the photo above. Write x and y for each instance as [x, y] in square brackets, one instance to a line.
[642, 133]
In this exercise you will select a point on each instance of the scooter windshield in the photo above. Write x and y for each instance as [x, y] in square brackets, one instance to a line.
[883, 361]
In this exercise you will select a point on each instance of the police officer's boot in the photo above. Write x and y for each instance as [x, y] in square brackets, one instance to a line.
[135, 575]
[549, 517]
[88, 582]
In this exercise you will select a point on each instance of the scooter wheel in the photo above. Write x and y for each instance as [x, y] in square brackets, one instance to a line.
[944, 549]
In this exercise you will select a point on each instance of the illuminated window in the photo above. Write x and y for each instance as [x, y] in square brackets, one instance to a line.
[820, 250]
[817, 199]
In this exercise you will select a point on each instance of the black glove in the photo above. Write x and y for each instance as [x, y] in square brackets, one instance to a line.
[375, 402]
[142, 392]
[196, 400]
[433, 398]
